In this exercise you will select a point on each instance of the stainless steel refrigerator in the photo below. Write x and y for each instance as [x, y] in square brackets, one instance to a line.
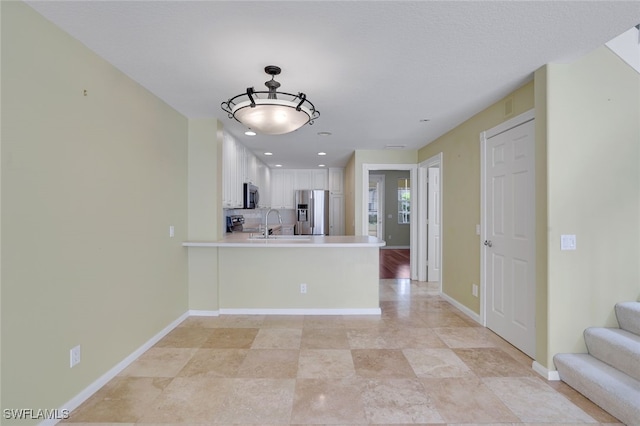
[312, 212]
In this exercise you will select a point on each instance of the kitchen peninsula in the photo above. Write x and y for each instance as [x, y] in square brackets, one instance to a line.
[295, 274]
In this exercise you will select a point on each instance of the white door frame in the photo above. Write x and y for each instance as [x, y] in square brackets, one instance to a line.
[415, 210]
[484, 136]
[423, 197]
[380, 183]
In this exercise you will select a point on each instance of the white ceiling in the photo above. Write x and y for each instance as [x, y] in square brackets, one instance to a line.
[374, 69]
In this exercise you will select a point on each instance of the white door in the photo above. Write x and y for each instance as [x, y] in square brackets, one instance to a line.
[509, 244]
[433, 233]
[376, 206]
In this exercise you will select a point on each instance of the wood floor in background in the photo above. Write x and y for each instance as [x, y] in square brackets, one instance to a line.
[394, 263]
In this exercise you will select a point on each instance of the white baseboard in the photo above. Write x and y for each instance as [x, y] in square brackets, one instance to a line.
[198, 313]
[545, 372]
[369, 311]
[463, 308]
[75, 402]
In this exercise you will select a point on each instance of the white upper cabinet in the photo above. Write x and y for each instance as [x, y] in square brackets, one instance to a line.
[240, 166]
[320, 178]
[282, 181]
[336, 180]
[303, 179]
[231, 182]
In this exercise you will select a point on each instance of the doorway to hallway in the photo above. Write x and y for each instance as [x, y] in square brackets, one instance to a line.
[395, 263]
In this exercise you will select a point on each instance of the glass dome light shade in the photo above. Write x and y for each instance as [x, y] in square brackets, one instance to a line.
[272, 116]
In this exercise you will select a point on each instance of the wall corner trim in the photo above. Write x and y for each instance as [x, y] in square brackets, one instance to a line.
[552, 375]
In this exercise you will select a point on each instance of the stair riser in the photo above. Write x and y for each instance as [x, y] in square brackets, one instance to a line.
[628, 314]
[610, 389]
[617, 348]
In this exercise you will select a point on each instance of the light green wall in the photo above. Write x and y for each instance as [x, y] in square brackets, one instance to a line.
[461, 193]
[593, 143]
[349, 196]
[90, 185]
[259, 278]
[541, 312]
[373, 157]
[205, 210]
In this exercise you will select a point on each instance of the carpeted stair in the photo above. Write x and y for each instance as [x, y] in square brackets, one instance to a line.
[609, 374]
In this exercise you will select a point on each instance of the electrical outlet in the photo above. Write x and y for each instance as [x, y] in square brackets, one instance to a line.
[303, 288]
[474, 289]
[74, 356]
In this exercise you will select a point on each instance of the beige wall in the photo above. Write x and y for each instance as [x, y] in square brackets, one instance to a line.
[461, 193]
[362, 157]
[593, 143]
[90, 185]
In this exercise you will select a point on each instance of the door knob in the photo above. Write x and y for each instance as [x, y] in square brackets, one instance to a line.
[488, 243]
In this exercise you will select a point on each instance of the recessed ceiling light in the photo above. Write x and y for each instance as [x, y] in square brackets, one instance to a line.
[268, 153]
[324, 133]
[322, 153]
[278, 165]
[321, 165]
[250, 133]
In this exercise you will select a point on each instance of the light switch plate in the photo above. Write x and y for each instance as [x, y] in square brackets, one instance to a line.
[567, 242]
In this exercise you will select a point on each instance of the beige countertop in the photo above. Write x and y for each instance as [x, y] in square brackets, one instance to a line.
[245, 240]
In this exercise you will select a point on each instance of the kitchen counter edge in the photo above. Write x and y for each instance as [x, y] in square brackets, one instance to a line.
[313, 241]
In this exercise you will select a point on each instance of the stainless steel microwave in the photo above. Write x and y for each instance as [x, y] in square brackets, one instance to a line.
[251, 196]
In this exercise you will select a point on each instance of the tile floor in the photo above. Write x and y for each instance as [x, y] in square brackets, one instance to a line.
[421, 362]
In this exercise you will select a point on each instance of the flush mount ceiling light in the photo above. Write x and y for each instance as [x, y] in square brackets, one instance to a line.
[275, 113]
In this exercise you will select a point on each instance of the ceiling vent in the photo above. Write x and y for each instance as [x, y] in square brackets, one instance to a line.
[395, 146]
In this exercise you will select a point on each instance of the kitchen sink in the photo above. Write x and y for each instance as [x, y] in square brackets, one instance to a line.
[283, 237]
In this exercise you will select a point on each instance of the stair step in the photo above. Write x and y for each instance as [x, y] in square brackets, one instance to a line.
[628, 314]
[616, 347]
[611, 389]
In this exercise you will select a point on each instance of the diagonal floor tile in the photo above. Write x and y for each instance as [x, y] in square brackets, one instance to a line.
[159, 362]
[462, 400]
[270, 363]
[525, 395]
[257, 401]
[436, 363]
[388, 363]
[492, 362]
[332, 401]
[325, 364]
[396, 401]
[278, 338]
[231, 338]
[214, 363]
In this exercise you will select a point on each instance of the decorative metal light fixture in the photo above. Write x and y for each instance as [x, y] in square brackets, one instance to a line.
[271, 115]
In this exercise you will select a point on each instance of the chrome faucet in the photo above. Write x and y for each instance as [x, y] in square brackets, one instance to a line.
[266, 221]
